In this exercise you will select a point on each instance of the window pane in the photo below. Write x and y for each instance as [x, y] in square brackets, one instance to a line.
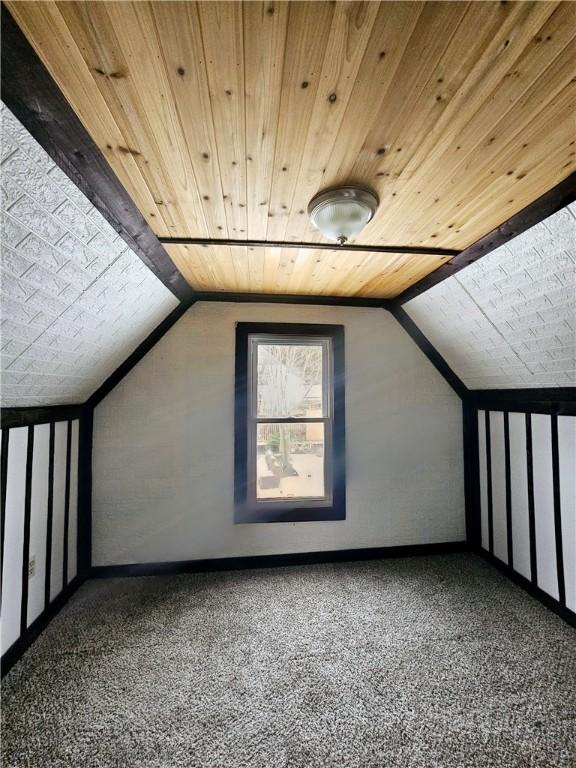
[289, 380]
[290, 461]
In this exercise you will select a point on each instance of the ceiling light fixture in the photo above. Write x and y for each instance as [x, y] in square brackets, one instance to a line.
[341, 214]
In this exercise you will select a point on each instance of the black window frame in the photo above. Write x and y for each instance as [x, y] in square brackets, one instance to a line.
[245, 511]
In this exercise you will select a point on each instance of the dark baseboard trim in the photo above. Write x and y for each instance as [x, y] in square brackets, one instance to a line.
[534, 591]
[275, 561]
[16, 651]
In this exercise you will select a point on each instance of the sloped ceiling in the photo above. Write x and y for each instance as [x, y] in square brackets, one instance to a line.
[76, 301]
[223, 119]
[509, 319]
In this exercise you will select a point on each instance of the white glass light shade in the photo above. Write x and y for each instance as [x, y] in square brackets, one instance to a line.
[341, 214]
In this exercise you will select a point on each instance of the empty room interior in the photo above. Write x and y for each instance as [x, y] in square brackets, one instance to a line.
[288, 384]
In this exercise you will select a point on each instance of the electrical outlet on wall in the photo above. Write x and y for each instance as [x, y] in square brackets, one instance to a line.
[31, 566]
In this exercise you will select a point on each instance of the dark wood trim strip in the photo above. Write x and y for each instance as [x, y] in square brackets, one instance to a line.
[67, 504]
[560, 409]
[507, 472]
[435, 358]
[557, 510]
[84, 556]
[552, 201]
[531, 510]
[560, 400]
[16, 651]
[26, 416]
[276, 561]
[116, 377]
[3, 482]
[288, 298]
[530, 587]
[413, 250]
[26, 541]
[471, 474]
[32, 95]
[49, 516]
[490, 510]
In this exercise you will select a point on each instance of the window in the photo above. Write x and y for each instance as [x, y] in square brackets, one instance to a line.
[289, 424]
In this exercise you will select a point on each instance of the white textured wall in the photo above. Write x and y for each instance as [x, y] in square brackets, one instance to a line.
[163, 454]
[509, 319]
[75, 301]
[38, 520]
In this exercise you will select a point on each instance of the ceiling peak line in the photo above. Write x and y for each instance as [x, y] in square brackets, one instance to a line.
[407, 249]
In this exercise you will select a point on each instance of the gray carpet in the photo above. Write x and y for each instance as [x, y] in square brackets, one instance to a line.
[426, 661]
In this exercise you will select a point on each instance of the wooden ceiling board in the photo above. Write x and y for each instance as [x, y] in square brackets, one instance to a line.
[223, 119]
[241, 269]
[306, 43]
[503, 146]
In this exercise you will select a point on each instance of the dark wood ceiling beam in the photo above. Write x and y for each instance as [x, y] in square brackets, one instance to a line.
[557, 198]
[32, 95]
[408, 249]
[287, 298]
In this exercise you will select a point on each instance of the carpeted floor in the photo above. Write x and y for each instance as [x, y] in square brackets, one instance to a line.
[426, 661]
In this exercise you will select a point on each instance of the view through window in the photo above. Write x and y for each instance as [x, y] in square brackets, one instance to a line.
[292, 405]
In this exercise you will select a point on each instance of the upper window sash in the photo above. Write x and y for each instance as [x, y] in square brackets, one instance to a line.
[256, 346]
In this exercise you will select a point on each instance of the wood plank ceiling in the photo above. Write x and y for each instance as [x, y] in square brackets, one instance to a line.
[223, 119]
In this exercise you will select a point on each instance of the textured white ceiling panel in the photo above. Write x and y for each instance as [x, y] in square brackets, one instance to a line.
[75, 300]
[509, 319]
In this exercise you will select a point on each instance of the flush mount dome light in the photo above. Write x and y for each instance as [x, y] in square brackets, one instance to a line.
[341, 214]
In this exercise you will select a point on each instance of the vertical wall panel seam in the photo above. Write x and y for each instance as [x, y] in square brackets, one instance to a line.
[507, 471]
[557, 510]
[49, 514]
[531, 511]
[66, 504]
[3, 486]
[26, 537]
[489, 484]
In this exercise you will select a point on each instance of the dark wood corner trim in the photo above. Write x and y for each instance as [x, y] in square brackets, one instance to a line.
[116, 377]
[28, 416]
[552, 201]
[431, 353]
[31, 94]
[471, 474]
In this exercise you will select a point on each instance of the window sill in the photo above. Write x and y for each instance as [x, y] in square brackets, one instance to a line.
[296, 515]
